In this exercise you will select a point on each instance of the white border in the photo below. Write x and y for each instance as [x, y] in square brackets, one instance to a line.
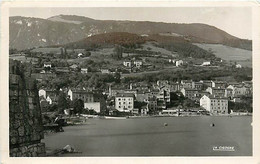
[4, 88]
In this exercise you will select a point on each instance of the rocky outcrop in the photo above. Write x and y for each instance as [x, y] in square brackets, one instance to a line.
[25, 122]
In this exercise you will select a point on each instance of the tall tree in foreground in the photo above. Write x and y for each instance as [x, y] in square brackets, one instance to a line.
[78, 105]
[63, 102]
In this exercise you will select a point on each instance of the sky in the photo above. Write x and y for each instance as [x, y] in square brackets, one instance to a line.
[236, 21]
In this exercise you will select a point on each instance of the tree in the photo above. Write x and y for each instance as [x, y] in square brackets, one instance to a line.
[118, 52]
[63, 102]
[78, 106]
[189, 103]
[117, 77]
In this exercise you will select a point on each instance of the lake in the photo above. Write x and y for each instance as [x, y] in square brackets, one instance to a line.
[184, 136]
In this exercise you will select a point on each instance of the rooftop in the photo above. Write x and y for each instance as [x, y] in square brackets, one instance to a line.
[220, 82]
[216, 97]
[125, 95]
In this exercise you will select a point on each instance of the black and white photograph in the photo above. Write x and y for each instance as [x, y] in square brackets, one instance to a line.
[130, 81]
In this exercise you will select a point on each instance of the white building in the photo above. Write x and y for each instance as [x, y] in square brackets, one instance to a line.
[214, 104]
[49, 100]
[124, 102]
[207, 63]
[138, 63]
[93, 106]
[127, 63]
[179, 63]
[105, 71]
[42, 92]
[47, 64]
[84, 70]
[80, 55]
[144, 111]
[238, 66]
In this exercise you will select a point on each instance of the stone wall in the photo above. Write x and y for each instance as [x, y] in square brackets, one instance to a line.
[25, 122]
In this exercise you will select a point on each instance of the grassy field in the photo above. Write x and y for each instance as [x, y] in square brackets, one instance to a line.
[241, 56]
[22, 58]
[47, 50]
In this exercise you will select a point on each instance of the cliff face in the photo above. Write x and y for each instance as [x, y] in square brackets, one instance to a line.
[25, 122]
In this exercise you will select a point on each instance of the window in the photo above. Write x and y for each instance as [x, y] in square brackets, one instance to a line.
[119, 106]
[119, 99]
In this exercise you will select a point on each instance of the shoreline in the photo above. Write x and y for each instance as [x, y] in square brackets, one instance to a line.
[158, 116]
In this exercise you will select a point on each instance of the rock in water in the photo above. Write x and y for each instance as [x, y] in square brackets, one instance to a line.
[68, 149]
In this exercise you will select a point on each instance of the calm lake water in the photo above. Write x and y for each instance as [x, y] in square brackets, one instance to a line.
[184, 136]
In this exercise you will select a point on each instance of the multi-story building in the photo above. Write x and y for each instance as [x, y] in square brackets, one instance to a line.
[189, 93]
[152, 105]
[92, 99]
[124, 102]
[153, 92]
[200, 94]
[112, 91]
[228, 93]
[197, 85]
[164, 95]
[219, 92]
[240, 90]
[139, 86]
[214, 104]
[206, 83]
[186, 83]
[174, 87]
[219, 84]
[85, 96]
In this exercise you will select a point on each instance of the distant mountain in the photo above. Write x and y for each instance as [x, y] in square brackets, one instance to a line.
[28, 32]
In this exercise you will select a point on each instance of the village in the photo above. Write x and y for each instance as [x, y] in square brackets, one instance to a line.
[160, 98]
